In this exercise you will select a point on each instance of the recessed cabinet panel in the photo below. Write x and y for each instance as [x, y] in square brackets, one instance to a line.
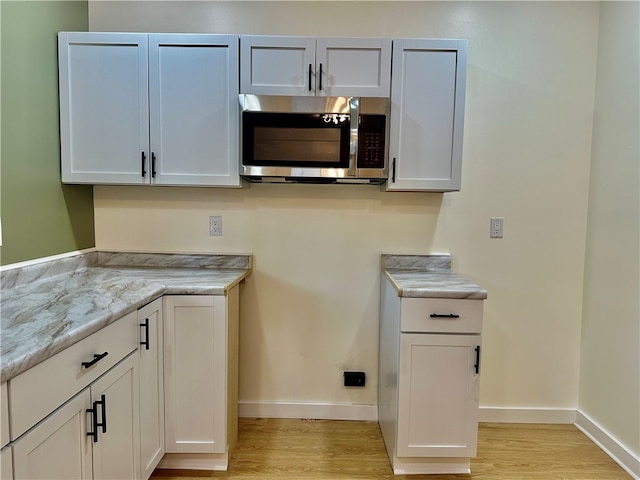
[103, 107]
[193, 87]
[58, 448]
[272, 65]
[427, 112]
[438, 396]
[354, 66]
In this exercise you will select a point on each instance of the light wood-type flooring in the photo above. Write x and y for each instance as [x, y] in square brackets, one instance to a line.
[285, 449]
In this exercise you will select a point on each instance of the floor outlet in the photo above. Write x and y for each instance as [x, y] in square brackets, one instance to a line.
[496, 227]
[215, 226]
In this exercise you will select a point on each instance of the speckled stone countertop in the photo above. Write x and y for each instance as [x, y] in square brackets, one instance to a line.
[428, 276]
[48, 307]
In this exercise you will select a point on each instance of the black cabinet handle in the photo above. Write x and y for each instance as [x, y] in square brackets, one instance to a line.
[153, 165]
[320, 79]
[94, 422]
[477, 364]
[310, 75]
[96, 359]
[103, 403]
[145, 342]
[444, 315]
[144, 158]
[393, 171]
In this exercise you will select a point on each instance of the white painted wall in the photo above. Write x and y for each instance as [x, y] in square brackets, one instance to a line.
[610, 366]
[310, 310]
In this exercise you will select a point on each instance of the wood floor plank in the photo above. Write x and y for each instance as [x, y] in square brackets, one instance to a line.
[286, 449]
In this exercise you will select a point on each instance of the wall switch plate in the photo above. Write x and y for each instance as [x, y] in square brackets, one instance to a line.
[354, 379]
[215, 226]
[496, 227]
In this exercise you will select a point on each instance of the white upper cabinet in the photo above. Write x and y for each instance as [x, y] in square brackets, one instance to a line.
[193, 93]
[272, 65]
[104, 107]
[149, 109]
[427, 114]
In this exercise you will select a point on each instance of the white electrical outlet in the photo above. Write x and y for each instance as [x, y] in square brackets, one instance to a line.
[496, 227]
[215, 226]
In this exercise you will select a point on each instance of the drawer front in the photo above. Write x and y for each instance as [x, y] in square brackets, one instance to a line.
[40, 390]
[4, 415]
[441, 315]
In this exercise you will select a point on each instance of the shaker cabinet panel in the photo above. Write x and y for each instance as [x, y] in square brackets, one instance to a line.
[353, 67]
[104, 126]
[427, 114]
[194, 112]
[149, 109]
[6, 464]
[150, 356]
[58, 448]
[195, 374]
[437, 395]
[326, 66]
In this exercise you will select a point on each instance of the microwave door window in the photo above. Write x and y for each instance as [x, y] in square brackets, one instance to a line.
[297, 146]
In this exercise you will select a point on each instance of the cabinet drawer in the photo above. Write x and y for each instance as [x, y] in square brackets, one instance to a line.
[40, 390]
[441, 315]
[4, 415]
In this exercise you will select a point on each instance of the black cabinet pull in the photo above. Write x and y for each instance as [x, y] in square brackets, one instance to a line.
[145, 342]
[477, 364]
[96, 359]
[310, 75]
[393, 171]
[153, 165]
[444, 315]
[103, 403]
[320, 79]
[144, 158]
[94, 422]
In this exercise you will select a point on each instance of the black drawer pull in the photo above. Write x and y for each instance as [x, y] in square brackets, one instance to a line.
[444, 315]
[477, 364]
[145, 342]
[96, 359]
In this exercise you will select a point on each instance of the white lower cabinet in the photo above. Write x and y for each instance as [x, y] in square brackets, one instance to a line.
[93, 435]
[150, 355]
[200, 383]
[429, 376]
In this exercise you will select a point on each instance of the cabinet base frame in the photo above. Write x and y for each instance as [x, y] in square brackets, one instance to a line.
[436, 465]
[195, 461]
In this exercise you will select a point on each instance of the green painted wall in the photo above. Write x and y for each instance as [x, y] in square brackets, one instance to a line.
[40, 216]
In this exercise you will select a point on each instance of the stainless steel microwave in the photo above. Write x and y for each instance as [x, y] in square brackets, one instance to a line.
[314, 139]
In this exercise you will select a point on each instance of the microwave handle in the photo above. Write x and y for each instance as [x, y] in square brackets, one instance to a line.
[354, 120]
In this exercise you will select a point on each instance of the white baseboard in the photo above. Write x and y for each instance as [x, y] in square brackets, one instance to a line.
[527, 415]
[609, 444]
[324, 411]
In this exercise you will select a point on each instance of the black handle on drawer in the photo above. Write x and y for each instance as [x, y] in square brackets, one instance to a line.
[320, 79]
[310, 75]
[444, 315]
[144, 159]
[153, 165]
[103, 403]
[145, 342]
[96, 358]
[477, 364]
[393, 171]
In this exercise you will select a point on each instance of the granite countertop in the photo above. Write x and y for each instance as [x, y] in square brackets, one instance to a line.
[48, 307]
[428, 276]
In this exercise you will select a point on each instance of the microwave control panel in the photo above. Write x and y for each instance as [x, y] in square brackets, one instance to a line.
[371, 141]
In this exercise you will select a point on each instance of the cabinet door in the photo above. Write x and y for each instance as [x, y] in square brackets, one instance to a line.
[438, 395]
[151, 387]
[195, 374]
[353, 67]
[58, 447]
[427, 114]
[6, 464]
[272, 65]
[194, 109]
[116, 454]
[104, 119]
